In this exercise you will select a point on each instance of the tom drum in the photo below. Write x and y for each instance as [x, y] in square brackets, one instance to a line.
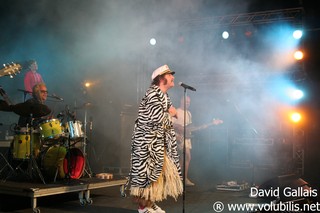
[74, 130]
[22, 146]
[50, 129]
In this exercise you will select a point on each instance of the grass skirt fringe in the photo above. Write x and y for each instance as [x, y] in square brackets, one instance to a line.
[168, 184]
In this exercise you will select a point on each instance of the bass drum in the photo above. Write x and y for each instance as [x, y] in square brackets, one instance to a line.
[57, 160]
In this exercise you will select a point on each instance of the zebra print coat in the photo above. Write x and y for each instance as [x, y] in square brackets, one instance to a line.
[152, 136]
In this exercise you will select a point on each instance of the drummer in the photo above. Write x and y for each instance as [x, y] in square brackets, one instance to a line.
[39, 96]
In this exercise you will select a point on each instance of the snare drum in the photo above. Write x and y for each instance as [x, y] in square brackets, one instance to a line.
[50, 129]
[57, 161]
[74, 129]
[22, 146]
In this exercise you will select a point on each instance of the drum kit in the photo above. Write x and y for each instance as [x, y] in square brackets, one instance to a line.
[49, 148]
[50, 144]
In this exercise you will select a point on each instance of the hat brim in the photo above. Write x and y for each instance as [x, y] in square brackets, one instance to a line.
[168, 72]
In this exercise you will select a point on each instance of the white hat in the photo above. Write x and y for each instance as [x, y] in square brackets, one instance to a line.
[160, 71]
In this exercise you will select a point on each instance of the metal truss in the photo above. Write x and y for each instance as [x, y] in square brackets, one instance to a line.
[291, 15]
[298, 150]
[298, 157]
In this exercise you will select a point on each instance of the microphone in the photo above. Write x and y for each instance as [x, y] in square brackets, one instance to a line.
[187, 86]
[56, 97]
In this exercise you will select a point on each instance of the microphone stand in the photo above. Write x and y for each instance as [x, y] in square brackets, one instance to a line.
[184, 149]
[184, 143]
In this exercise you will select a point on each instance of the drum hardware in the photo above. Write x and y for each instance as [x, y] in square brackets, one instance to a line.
[6, 162]
[85, 106]
[32, 164]
[88, 171]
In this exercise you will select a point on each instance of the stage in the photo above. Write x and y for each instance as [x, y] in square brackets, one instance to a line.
[36, 190]
[105, 196]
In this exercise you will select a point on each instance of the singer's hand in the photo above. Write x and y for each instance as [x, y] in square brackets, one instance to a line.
[173, 112]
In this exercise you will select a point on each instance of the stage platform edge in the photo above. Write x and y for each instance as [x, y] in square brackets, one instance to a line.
[36, 190]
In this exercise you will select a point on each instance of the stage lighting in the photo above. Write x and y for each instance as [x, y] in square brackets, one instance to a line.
[87, 84]
[297, 34]
[295, 117]
[225, 35]
[298, 55]
[153, 41]
[294, 94]
[297, 94]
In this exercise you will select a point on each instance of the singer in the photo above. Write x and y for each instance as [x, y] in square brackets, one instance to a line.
[155, 170]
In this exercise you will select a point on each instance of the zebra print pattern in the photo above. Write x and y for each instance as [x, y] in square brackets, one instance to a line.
[153, 135]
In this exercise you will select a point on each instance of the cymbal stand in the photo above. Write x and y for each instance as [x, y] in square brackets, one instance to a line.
[32, 165]
[68, 175]
[87, 169]
[7, 164]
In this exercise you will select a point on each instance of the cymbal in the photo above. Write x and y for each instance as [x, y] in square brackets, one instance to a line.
[26, 109]
[85, 106]
[4, 106]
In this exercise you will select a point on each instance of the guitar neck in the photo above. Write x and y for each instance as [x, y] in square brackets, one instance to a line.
[192, 129]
